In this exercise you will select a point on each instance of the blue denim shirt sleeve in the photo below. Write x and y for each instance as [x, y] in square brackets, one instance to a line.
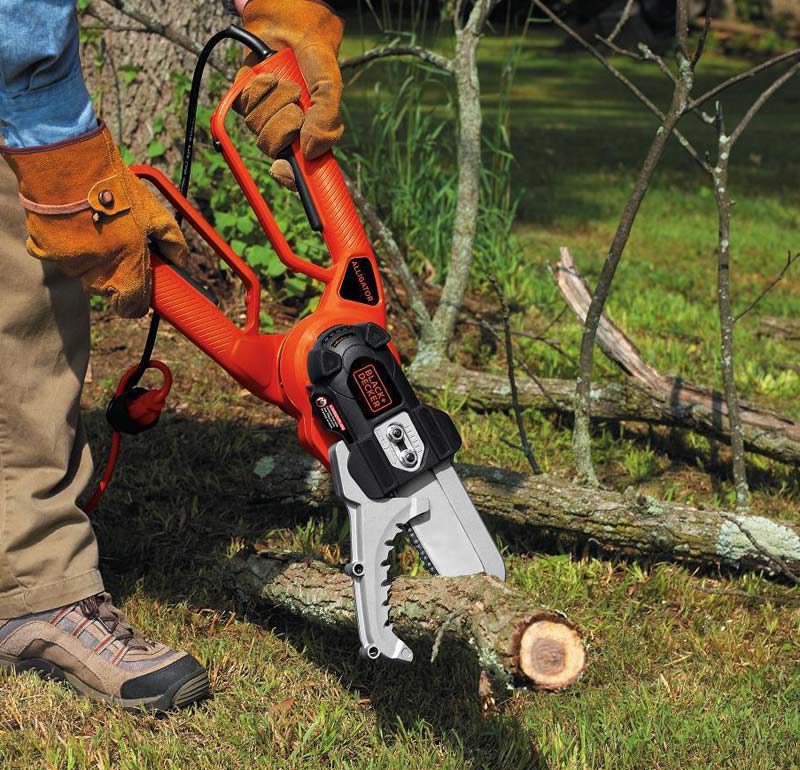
[43, 97]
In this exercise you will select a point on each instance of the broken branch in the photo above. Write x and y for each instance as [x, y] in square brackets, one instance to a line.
[515, 643]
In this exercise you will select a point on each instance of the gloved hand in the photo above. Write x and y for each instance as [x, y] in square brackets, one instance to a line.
[87, 213]
[314, 32]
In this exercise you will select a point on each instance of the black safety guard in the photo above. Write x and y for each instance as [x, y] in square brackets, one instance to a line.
[357, 384]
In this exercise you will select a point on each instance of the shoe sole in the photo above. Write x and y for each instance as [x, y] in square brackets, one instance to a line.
[184, 692]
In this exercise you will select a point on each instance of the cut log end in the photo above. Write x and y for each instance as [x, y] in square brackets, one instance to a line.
[551, 653]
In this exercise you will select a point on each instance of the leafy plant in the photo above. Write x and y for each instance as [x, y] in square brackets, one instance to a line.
[640, 464]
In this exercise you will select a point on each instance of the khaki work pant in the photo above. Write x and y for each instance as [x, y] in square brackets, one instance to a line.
[48, 552]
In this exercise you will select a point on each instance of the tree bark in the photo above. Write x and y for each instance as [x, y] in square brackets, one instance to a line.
[145, 49]
[435, 339]
[553, 510]
[677, 404]
[726, 320]
[515, 643]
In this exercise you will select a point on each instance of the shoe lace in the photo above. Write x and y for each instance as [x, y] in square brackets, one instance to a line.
[100, 608]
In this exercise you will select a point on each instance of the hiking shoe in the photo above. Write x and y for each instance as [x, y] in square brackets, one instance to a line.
[92, 647]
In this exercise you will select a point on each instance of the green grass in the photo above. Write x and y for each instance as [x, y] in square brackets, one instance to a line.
[578, 138]
[678, 678]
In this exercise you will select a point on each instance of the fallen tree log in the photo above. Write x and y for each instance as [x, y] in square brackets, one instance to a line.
[548, 508]
[683, 403]
[779, 328]
[685, 406]
[644, 396]
[515, 644]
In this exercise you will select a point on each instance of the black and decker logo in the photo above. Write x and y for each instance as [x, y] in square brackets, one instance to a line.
[370, 385]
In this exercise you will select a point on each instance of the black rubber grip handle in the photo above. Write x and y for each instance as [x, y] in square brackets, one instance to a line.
[207, 293]
[302, 190]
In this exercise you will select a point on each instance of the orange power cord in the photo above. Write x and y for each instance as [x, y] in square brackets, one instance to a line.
[141, 408]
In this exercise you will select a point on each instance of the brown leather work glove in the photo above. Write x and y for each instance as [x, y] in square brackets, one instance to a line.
[314, 32]
[87, 213]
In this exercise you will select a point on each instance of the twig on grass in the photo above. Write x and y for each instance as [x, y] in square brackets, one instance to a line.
[790, 260]
[512, 379]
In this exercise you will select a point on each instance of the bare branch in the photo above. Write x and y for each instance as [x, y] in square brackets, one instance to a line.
[512, 379]
[742, 76]
[623, 19]
[150, 24]
[761, 101]
[647, 54]
[375, 16]
[429, 57]
[480, 14]
[726, 322]
[552, 344]
[609, 43]
[393, 253]
[701, 44]
[619, 76]
[790, 260]
[537, 380]
[113, 28]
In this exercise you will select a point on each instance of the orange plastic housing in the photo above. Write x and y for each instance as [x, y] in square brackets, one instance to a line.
[271, 366]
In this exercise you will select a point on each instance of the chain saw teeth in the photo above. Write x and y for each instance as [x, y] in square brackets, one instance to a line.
[423, 555]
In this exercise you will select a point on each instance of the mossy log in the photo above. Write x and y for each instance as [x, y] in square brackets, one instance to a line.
[548, 509]
[515, 643]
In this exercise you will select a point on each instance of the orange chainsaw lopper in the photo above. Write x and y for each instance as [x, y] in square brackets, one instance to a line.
[336, 372]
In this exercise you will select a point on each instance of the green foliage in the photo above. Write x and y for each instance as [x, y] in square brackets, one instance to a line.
[129, 73]
[640, 463]
[753, 10]
[404, 161]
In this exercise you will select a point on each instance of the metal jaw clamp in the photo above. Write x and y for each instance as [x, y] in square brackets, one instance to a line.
[449, 542]
[374, 524]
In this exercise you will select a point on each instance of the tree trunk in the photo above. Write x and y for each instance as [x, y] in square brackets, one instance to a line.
[435, 339]
[551, 509]
[581, 437]
[129, 71]
[515, 643]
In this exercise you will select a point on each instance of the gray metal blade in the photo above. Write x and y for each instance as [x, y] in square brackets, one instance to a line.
[452, 533]
[436, 510]
[373, 526]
